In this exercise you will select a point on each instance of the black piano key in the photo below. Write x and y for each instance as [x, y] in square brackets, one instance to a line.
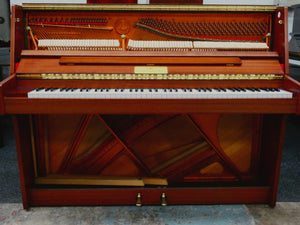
[265, 89]
[250, 89]
[39, 89]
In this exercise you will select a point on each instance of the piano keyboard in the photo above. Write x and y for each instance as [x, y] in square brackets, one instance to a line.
[175, 93]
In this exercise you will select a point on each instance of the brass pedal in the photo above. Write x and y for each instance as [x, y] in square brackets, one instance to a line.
[163, 199]
[138, 200]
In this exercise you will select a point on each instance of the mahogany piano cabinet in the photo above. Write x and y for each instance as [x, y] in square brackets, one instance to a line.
[149, 104]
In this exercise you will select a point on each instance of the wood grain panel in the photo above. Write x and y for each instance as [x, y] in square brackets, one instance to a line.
[94, 136]
[150, 60]
[23, 105]
[122, 166]
[17, 39]
[150, 196]
[29, 65]
[30, 84]
[235, 135]
[243, 54]
[60, 133]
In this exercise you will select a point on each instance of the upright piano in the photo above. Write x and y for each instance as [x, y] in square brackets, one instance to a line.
[149, 104]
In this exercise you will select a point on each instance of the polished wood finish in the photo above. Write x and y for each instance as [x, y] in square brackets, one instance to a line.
[17, 36]
[50, 65]
[100, 180]
[5, 85]
[150, 196]
[89, 180]
[23, 105]
[241, 54]
[280, 31]
[151, 60]
[107, 151]
[23, 146]
[272, 144]
[294, 85]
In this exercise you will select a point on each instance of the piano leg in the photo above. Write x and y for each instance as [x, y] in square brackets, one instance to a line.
[24, 152]
[272, 144]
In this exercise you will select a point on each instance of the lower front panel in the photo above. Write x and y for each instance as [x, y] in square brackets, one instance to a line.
[139, 150]
[146, 196]
[127, 159]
